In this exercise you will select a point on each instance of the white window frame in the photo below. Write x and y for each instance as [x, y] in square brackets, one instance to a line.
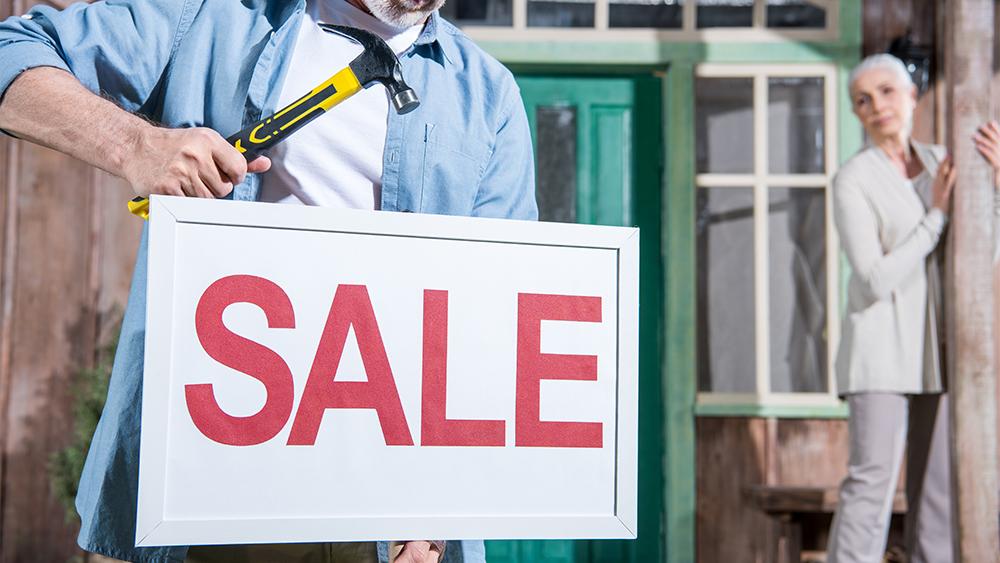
[688, 33]
[761, 180]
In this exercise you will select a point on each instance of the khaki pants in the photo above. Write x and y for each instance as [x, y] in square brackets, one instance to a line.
[882, 425]
[359, 552]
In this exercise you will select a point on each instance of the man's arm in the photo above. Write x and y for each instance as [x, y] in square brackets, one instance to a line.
[52, 62]
[50, 107]
[507, 189]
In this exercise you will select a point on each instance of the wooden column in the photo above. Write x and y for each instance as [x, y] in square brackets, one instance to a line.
[969, 61]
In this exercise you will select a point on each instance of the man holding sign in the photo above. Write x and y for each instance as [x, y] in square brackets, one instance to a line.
[201, 68]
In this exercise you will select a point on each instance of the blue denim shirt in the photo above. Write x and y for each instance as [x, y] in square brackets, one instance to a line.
[465, 151]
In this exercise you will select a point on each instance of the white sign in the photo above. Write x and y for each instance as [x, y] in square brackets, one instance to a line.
[330, 375]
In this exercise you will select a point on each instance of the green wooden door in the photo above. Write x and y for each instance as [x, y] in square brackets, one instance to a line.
[598, 155]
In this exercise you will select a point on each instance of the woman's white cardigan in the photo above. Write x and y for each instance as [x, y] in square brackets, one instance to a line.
[890, 334]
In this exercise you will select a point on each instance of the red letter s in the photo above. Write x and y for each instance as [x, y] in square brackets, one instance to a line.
[243, 355]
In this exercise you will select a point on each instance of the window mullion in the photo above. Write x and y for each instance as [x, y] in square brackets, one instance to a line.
[760, 217]
[601, 11]
[688, 14]
[759, 14]
[520, 14]
[832, 243]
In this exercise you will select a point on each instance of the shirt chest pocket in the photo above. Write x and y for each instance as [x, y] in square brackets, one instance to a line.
[452, 167]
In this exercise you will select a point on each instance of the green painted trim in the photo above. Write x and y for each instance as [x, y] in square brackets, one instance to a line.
[851, 23]
[659, 53]
[679, 385]
[844, 49]
[773, 411]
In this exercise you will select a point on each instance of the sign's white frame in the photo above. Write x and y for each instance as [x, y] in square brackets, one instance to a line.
[167, 213]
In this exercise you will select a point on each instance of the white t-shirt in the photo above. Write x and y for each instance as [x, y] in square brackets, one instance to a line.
[336, 159]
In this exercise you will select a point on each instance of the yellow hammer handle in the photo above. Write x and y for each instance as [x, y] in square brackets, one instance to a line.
[270, 131]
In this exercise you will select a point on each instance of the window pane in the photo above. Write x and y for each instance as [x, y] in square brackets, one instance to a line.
[795, 125]
[646, 13]
[724, 125]
[797, 264]
[556, 164]
[479, 12]
[560, 13]
[725, 13]
[726, 358]
[795, 13]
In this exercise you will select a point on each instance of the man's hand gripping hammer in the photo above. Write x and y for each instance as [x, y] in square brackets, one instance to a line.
[377, 63]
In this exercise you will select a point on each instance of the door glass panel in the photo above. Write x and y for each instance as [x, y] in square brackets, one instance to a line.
[797, 264]
[560, 13]
[795, 13]
[726, 357]
[555, 167]
[479, 12]
[725, 13]
[724, 125]
[664, 14]
[795, 125]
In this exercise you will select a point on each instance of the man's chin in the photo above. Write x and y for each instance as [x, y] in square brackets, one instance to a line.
[424, 7]
[402, 13]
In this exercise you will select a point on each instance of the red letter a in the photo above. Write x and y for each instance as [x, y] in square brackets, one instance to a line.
[242, 355]
[351, 307]
[435, 427]
[533, 366]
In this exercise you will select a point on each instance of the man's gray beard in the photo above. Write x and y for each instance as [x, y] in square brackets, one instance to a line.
[395, 15]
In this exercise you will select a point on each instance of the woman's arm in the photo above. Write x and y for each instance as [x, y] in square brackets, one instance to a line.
[857, 225]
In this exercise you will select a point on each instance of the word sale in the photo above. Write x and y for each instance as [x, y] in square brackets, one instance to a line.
[352, 308]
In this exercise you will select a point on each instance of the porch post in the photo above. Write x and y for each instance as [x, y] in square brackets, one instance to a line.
[971, 358]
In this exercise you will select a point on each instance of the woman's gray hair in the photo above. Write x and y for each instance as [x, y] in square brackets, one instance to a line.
[882, 61]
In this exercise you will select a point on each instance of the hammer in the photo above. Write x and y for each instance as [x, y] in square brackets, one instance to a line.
[377, 63]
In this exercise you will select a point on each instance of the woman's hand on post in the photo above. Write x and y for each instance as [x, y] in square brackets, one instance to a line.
[944, 184]
[194, 162]
[987, 140]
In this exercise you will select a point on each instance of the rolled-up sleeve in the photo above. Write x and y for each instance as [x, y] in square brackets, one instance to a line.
[507, 188]
[118, 48]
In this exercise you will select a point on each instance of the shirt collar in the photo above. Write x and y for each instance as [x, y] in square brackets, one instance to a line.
[280, 12]
[435, 33]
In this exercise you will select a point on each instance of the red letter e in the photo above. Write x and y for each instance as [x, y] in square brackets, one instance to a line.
[533, 366]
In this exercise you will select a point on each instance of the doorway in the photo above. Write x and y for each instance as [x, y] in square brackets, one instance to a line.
[599, 160]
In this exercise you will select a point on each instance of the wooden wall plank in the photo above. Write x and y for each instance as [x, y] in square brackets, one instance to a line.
[811, 453]
[52, 338]
[730, 459]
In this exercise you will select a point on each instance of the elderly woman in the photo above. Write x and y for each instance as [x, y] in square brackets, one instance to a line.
[891, 204]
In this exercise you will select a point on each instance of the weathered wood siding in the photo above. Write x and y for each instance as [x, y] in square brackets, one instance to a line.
[736, 453]
[67, 245]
